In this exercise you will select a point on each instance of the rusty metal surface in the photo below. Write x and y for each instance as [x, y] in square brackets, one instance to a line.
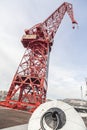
[10, 117]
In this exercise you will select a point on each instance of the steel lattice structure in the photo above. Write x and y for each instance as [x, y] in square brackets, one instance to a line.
[30, 81]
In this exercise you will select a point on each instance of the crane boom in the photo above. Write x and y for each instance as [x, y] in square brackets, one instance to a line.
[50, 26]
[30, 80]
[53, 21]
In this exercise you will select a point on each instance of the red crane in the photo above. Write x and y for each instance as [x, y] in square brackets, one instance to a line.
[30, 81]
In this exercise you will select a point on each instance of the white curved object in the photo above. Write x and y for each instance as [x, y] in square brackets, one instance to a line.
[54, 115]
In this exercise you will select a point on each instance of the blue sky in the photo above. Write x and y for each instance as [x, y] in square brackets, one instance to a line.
[68, 64]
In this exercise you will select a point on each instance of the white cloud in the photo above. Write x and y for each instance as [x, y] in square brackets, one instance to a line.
[63, 83]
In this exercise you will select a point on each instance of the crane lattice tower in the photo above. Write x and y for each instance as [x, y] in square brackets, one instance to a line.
[30, 80]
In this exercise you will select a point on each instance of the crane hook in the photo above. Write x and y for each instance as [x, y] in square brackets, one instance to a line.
[74, 23]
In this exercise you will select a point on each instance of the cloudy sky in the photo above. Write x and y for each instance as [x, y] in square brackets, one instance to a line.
[68, 59]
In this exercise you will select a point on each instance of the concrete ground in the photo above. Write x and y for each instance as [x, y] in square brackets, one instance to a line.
[11, 117]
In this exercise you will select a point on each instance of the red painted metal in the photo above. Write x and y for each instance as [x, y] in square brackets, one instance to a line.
[30, 81]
